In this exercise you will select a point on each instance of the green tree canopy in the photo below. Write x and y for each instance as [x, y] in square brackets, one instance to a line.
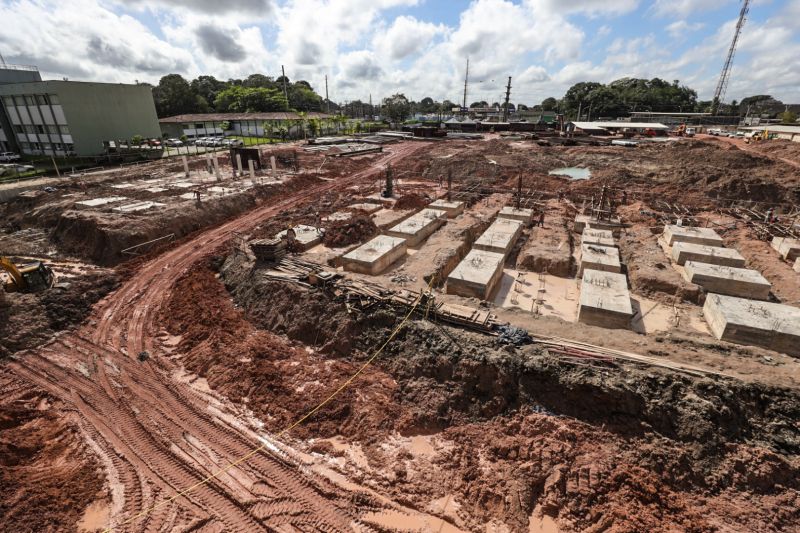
[238, 99]
[549, 104]
[397, 107]
[174, 96]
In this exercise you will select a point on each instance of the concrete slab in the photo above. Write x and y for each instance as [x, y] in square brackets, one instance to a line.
[453, 208]
[419, 226]
[685, 251]
[769, 325]
[603, 237]
[605, 300]
[706, 236]
[138, 206]
[788, 248]
[305, 237]
[741, 282]
[124, 186]
[375, 256]
[614, 225]
[339, 215]
[477, 275]
[596, 257]
[369, 208]
[155, 190]
[500, 236]
[99, 202]
[797, 265]
[522, 214]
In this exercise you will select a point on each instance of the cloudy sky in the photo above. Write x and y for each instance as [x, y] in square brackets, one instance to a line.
[418, 47]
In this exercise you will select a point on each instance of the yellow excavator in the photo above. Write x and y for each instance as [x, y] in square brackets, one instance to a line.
[30, 277]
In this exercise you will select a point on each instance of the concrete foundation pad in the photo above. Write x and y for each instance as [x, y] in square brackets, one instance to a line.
[769, 325]
[305, 237]
[375, 256]
[730, 281]
[369, 208]
[477, 275]
[614, 225]
[788, 248]
[603, 237]
[135, 208]
[522, 214]
[453, 208]
[500, 236]
[685, 251]
[99, 202]
[706, 236]
[419, 227]
[602, 258]
[605, 300]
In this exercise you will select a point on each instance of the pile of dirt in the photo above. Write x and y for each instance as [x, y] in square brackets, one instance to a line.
[411, 201]
[31, 319]
[778, 148]
[48, 476]
[356, 229]
[277, 379]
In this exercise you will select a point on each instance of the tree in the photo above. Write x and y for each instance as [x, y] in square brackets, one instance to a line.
[397, 107]
[549, 104]
[238, 99]
[482, 103]
[259, 80]
[207, 88]
[174, 96]
[303, 98]
[575, 98]
[788, 117]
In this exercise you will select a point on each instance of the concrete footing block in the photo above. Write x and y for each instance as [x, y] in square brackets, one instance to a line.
[602, 258]
[522, 214]
[684, 251]
[765, 324]
[601, 237]
[375, 256]
[705, 236]
[453, 208]
[477, 275]
[788, 248]
[500, 236]
[419, 227]
[605, 300]
[730, 281]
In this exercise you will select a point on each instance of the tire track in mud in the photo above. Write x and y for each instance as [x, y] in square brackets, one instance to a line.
[136, 412]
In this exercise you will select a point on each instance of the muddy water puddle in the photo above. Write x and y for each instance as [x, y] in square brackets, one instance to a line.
[573, 173]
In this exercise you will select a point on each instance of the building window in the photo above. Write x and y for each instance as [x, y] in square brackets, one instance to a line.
[8, 101]
[64, 130]
[52, 129]
[199, 126]
[40, 129]
[25, 145]
[18, 129]
[53, 99]
[41, 99]
[29, 100]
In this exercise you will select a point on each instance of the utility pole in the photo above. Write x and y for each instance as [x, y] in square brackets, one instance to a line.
[508, 95]
[285, 92]
[371, 111]
[466, 78]
[327, 101]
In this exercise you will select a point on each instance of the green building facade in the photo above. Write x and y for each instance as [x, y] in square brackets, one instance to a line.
[63, 118]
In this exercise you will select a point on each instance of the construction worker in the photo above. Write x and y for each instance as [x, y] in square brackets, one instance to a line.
[291, 235]
[624, 197]
[541, 218]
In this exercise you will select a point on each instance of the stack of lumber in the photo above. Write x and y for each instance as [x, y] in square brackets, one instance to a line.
[269, 249]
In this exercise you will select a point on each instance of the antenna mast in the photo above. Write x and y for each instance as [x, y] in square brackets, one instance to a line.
[466, 77]
[722, 84]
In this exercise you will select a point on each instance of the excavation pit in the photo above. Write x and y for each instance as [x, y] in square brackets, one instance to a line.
[522, 214]
[305, 237]
[453, 208]
[788, 248]
[684, 251]
[500, 236]
[601, 258]
[375, 256]
[769, 325]
[605, 300]
[419, 227]
[705, 236]
[730, 281]
[601, 237]
[477, 275]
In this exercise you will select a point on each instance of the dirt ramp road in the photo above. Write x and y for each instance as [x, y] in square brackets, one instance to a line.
[157, 434]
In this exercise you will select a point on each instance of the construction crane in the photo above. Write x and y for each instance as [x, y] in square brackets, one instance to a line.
[722, 84]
